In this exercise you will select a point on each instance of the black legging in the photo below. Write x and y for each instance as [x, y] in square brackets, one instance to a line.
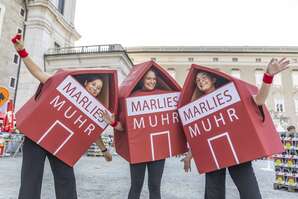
[137, 174]
[32, 173]
[243, 177]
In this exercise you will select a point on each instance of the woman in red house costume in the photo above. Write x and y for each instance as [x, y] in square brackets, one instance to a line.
[137, 171]
[242, 174]
[34, 156]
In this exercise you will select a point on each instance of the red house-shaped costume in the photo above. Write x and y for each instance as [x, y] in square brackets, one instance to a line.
[63, 117]
[152, 127]
[225, 127]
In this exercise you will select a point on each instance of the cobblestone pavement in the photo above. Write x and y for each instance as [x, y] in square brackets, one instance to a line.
[97, 179]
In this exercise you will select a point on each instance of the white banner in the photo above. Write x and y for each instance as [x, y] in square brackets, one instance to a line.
[208, 104]
[152, 103]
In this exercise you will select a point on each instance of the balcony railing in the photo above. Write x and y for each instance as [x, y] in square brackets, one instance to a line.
[86, 49]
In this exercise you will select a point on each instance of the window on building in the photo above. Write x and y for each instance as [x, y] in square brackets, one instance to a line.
[16, 59]
[277, 80]
[172, 72]
[258, 60]
[235, 59]
[12, 82]
[279, 105]
[19, 30]
[294, 60]
[153, 58]
[259, 76]
[275, 59]
[22, 12]
[190, 59]
[56, 45]
[295, 78]
[215, 59]
[61, 6]
[235, 73]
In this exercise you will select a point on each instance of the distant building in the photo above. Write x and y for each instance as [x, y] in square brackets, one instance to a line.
[246, 63]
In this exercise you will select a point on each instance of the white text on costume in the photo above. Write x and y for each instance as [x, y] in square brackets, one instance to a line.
[79, 106]
[153, 110]
[210, 111]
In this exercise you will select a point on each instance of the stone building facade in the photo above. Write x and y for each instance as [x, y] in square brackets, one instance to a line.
[12, 18]
[49, 24]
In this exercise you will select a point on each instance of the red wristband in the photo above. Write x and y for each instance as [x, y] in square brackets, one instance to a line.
[267, 78]
[23, 53]
[114, 124]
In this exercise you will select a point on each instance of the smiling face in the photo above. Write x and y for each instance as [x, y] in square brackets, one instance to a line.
[205, 83]
[149, 81]
[94, 87]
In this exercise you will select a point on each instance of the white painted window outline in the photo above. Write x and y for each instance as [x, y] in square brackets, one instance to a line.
[19, 31]
[258, 60]
[57, 45]
[235, 59]
[61, 6]
[190, 59]
[215, 59]
[11, 78]
[230, 143]
[152, 144]
[71, 133]
[16, 59]
[279, 104]
[2, 12]
[22, 12]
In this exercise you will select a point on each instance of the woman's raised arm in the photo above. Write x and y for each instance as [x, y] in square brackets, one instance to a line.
[274, 67]
[31, 66]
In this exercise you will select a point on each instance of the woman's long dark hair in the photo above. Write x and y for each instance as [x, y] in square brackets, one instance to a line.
[160, 84]
[87, 78]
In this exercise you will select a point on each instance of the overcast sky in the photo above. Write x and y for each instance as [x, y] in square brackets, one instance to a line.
[187, 22]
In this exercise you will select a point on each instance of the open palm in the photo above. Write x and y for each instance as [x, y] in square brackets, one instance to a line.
[276, 66]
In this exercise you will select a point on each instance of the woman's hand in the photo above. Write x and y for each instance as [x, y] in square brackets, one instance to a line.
[34, 69]
[107, 155]
[276, 66]
[187, 162]
[109, 119]
[18, 42]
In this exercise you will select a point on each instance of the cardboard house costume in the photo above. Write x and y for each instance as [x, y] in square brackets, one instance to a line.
[63, 117]
[152, 127]
[225, 127]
